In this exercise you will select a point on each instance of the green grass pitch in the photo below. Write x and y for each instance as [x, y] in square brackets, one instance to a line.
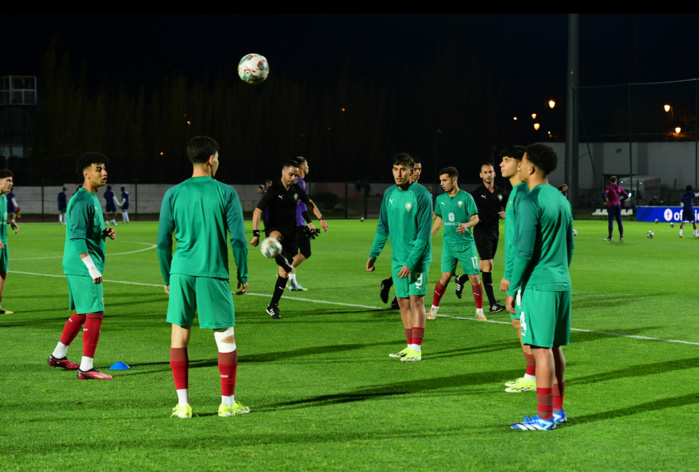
[323, 393]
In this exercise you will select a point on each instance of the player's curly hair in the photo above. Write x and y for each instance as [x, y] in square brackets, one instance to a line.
[543, 157]
[89, 158]
[200, 148]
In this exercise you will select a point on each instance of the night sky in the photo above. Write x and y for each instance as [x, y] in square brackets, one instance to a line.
[528, 52]
[525, 54]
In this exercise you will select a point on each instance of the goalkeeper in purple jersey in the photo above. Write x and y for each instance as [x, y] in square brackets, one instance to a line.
[688, 210]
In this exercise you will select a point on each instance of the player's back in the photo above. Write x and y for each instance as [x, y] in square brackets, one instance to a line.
[202, 210]
[553, 248]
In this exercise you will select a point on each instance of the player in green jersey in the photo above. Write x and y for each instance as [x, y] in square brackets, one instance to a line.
[386, 284]
[456, 210]
[540, 287]
[6, 184]
[200, 211]
[509, 167]
[83, 263]
[406, 217]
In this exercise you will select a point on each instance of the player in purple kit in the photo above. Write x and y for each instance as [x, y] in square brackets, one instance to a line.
[110, 206]
[688, 210]
[613, 196]
[304, 233]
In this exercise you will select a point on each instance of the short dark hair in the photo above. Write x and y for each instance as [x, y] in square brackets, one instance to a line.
[404, 158]
[612, 179]
[89, 158]
[416, 160]
[200, 148]
[5, 173]
[290, 163]
[514, 151]
[689, 188]
[450, 171]
[300, 159]
[543, 157]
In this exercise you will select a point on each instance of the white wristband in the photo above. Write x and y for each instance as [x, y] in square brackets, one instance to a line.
[94, 273]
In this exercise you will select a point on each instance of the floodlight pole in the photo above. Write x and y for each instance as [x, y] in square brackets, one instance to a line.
[571, 157]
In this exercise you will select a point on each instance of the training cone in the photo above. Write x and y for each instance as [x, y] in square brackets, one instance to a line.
[119, 366]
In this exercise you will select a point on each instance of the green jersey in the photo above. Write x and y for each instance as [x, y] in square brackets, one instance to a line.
[405, 217]
[520, 190]
[544, 235]
[199, 211]
[84, 233]
[453, 211]
[3, 219]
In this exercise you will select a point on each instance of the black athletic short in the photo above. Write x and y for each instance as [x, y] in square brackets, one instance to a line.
[486, 241]
[303, 242]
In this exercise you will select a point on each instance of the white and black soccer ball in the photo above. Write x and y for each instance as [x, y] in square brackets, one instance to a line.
[650, 234]
[253, 69]
[270, 247]
[361, 219]
[656, 221]
[672, 225]
[575, 233]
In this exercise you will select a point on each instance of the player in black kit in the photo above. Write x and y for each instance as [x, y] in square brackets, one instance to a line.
[281, 200]
[490, 200]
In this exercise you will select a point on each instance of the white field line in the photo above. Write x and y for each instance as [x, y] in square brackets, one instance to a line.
[355, 305]
[110, 254]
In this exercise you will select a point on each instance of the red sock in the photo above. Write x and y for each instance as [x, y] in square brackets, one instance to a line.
[438, 294]
[91, 333]
[418, 335]
[227, 368]
[558, 389]
[72, 327]
[409, 335]
[478, 295]
[179, 363]
[544, 402]
[531, 364]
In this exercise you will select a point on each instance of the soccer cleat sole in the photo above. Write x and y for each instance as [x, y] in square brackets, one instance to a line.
[235, 410]
[64, 363]
[399, 354]
[432, 314]
[183, 412]
[93, 375]
[535, 426]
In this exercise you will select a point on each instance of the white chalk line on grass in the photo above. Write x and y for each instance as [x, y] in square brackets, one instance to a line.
[110, 254]
[355, 305]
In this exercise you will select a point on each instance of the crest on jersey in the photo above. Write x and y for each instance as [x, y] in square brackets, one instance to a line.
[408, 206]
[500, 197]
[460, 203]
[451, 217]
[296, 196]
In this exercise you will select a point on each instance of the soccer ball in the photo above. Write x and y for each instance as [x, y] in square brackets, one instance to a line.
[270, 247]
[656, 221]
[672, 225]
[575, 233]
[253, 69]
[361, 219]
[650, 234]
